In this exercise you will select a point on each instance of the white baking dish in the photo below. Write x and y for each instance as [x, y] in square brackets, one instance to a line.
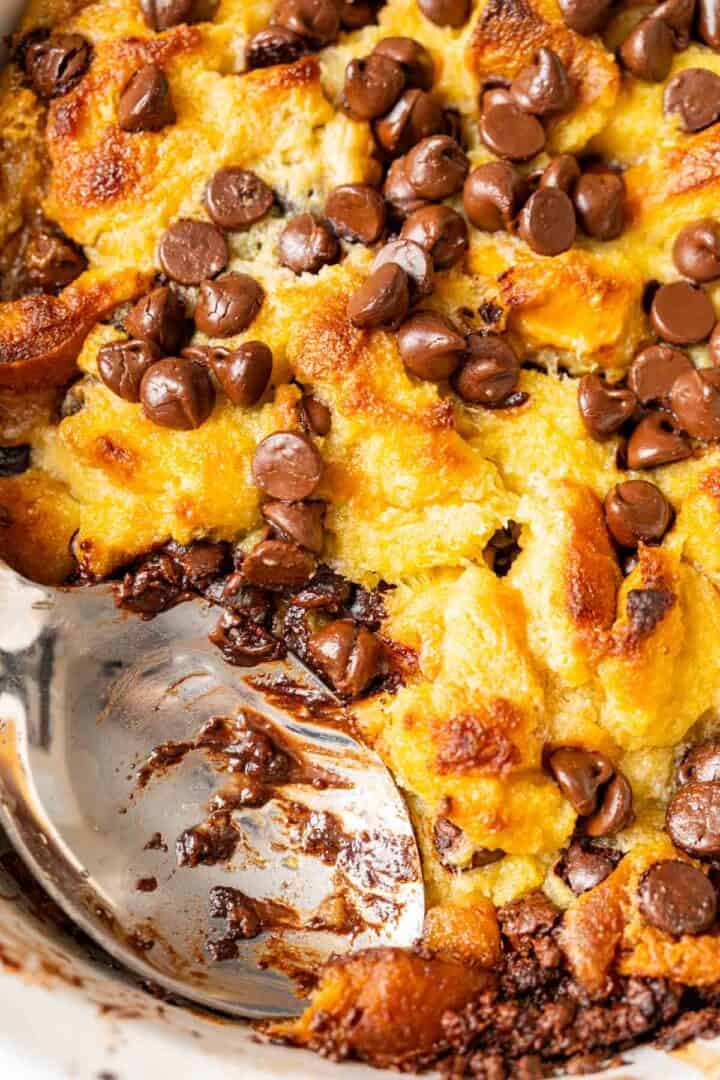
[63, 1015]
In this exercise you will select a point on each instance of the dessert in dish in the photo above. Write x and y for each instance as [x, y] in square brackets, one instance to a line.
[391, 330]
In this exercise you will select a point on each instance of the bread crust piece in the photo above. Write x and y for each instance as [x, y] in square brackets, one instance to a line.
[566, 649]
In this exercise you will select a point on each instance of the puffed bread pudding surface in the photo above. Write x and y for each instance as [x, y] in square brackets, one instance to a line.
[390, 328]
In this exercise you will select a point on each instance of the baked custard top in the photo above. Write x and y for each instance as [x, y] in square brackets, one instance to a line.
[402, 317]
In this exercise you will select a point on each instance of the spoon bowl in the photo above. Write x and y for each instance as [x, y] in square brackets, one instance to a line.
[216, 840]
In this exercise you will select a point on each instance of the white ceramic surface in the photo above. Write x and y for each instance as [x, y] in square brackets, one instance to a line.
[64, 1017]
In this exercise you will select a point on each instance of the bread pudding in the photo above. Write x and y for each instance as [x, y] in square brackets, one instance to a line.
[391, 330]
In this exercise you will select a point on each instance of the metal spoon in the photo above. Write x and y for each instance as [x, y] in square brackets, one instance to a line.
[87, 694]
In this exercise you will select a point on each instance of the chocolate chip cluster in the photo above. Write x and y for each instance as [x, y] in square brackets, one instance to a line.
[153, 367]
[667, 401]
[301, 26]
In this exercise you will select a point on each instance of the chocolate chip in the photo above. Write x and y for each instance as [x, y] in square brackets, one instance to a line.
[307, 244]
[430, 346]
[511, 133]
[678, 15]
[696, 251]
[490, 373]
[354, 14]
[243, 373]
[122, 364]
[314, 415]
[400, 195]
[693, 95]
[301, 522]
[415, 115]
[236, 198]
[709, 22]
[348, 656]
[287, 466]
[274, 45]
[695, 403]
[701, 764]
[547, 221]
[441, 231]
[584, 865]
[682, 314]
[14, 460]
[436, 167]
[493, 194]
[653, 372]
[411, 258]
[414, 59]
[277, 564]
[318, 21]
[599, 199]
[543, 86]
[693, 819]
[495, 90]
[190, 251]
[164, 14]
[445, 12]
[227, 305]
[372, 86]
[145, 102]
[637, 511]
[159, 317]
[356, 212]
[677, 898]
[648, 50]
[177, 394]
[580, 774]
[586, 16]
[656, 442]
[563, 172]
[604, 408]
[51, 262]
[382, 300]
[56, 64]
[615, 811]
